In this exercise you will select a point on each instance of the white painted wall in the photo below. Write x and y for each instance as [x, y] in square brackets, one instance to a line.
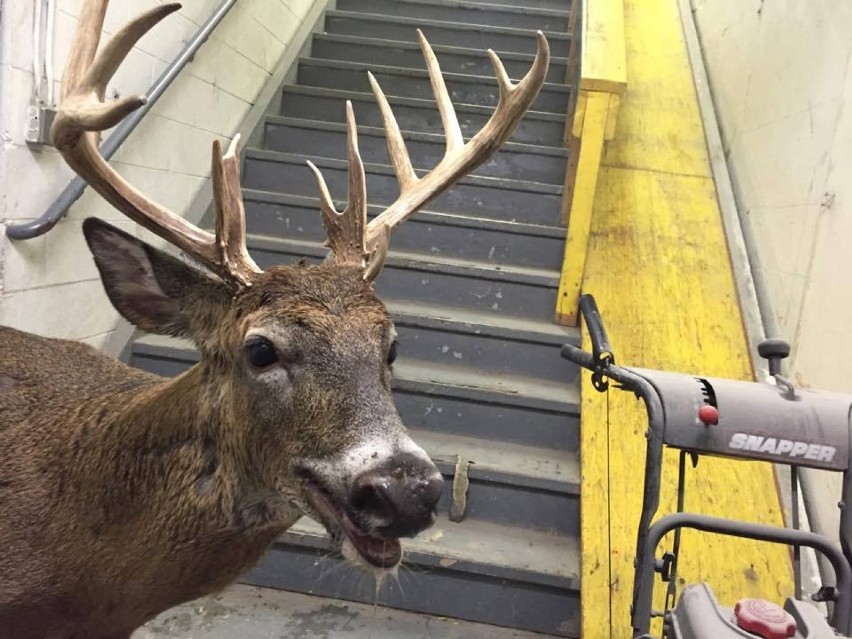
[781, 76]
[49, 285]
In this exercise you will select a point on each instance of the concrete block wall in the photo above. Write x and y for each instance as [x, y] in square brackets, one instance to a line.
[781, 78]
[49, 285]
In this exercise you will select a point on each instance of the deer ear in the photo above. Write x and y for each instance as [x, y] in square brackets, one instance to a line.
[151, 289]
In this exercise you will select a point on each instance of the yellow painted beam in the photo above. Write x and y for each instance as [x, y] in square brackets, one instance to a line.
[594, 107]
[658, 265]
[603, 66]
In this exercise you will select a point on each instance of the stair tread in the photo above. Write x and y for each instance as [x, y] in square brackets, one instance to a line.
[499, 8]
[503, 549]
[424, 23]
[438, 49]
[346, 94]
[417, 73]
[465, 320]
[499, 272]
[387, 169]
[452, 219]
[506, 385]
[437, 138]
[504, 461]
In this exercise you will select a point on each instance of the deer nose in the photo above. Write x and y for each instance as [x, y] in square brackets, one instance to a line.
[399, 496]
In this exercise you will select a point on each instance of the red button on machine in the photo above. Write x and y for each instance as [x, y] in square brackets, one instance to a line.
[708, 414]
[764, 618]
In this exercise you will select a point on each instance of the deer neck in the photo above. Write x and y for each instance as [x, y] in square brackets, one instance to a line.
[181, 445]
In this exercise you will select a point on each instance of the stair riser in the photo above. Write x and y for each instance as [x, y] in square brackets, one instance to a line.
[417, 236]
[520, 43]
[413, 283]
[430, 589]
[485, 93]
[464, 198]
[515, 505]
[426, 119]
[490, 355]
[324, 143]
[379, 53]
[431, 411]
[483, 15]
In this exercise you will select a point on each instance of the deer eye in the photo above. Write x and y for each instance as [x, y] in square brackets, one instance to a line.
[392, 352]
[261, 352]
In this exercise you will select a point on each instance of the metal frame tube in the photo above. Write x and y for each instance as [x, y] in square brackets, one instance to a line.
[642, 607]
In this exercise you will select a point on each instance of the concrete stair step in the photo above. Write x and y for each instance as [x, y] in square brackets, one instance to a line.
[474, 196]
[511, 291]
[248, 612]
[484, 343]
[457, 570]
[426, 233]
[318, 139]
[328, 105]
[455, 59]
[414, 83]
[470, 13]
[390, 27]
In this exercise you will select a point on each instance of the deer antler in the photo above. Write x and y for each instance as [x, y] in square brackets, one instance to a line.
[459, 158]
[83, 114]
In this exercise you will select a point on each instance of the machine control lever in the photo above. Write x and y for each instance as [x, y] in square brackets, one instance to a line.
[773, 351]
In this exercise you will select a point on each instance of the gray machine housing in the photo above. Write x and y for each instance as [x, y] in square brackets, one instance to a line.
[699, 616]
[770, 422]
[699, 415]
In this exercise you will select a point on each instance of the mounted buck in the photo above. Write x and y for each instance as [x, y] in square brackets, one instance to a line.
[122, 493]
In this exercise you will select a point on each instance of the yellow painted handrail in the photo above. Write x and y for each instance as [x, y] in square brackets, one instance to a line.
[603, 79]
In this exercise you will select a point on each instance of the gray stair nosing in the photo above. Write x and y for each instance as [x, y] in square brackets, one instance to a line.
[499, 8]
[424, 216]
[422, 136]
[567, 407]
[522, 186]
[419, 73]
[411, 261]
[448, 325]
[417, 103]
[437, 48]
[425, 23]
[434, 560]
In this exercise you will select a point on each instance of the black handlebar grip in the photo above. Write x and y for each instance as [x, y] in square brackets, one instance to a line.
[578, 356]
[592, 316]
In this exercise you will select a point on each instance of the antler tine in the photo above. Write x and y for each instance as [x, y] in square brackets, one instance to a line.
[346, 229]
[442, 97]
[460, 158]
[230, 213]
[83, 114]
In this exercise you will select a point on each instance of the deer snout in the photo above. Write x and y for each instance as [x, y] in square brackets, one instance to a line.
[398, 496]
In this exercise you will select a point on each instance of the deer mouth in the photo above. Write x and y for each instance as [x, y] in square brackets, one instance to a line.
[376, 550]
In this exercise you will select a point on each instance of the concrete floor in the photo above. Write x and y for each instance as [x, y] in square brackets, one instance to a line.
[246, 612]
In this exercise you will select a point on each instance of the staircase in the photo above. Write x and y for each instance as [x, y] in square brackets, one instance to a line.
[471, 283]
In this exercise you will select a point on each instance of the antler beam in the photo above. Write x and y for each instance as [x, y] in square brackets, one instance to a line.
[459, 159]
[83, 114]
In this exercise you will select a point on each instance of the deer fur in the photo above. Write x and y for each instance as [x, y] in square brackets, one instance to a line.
[124, 493]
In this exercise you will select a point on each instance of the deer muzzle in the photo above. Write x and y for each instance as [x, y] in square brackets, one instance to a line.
[376, 500]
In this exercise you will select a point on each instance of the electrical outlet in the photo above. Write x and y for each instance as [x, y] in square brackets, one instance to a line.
[39, 120]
